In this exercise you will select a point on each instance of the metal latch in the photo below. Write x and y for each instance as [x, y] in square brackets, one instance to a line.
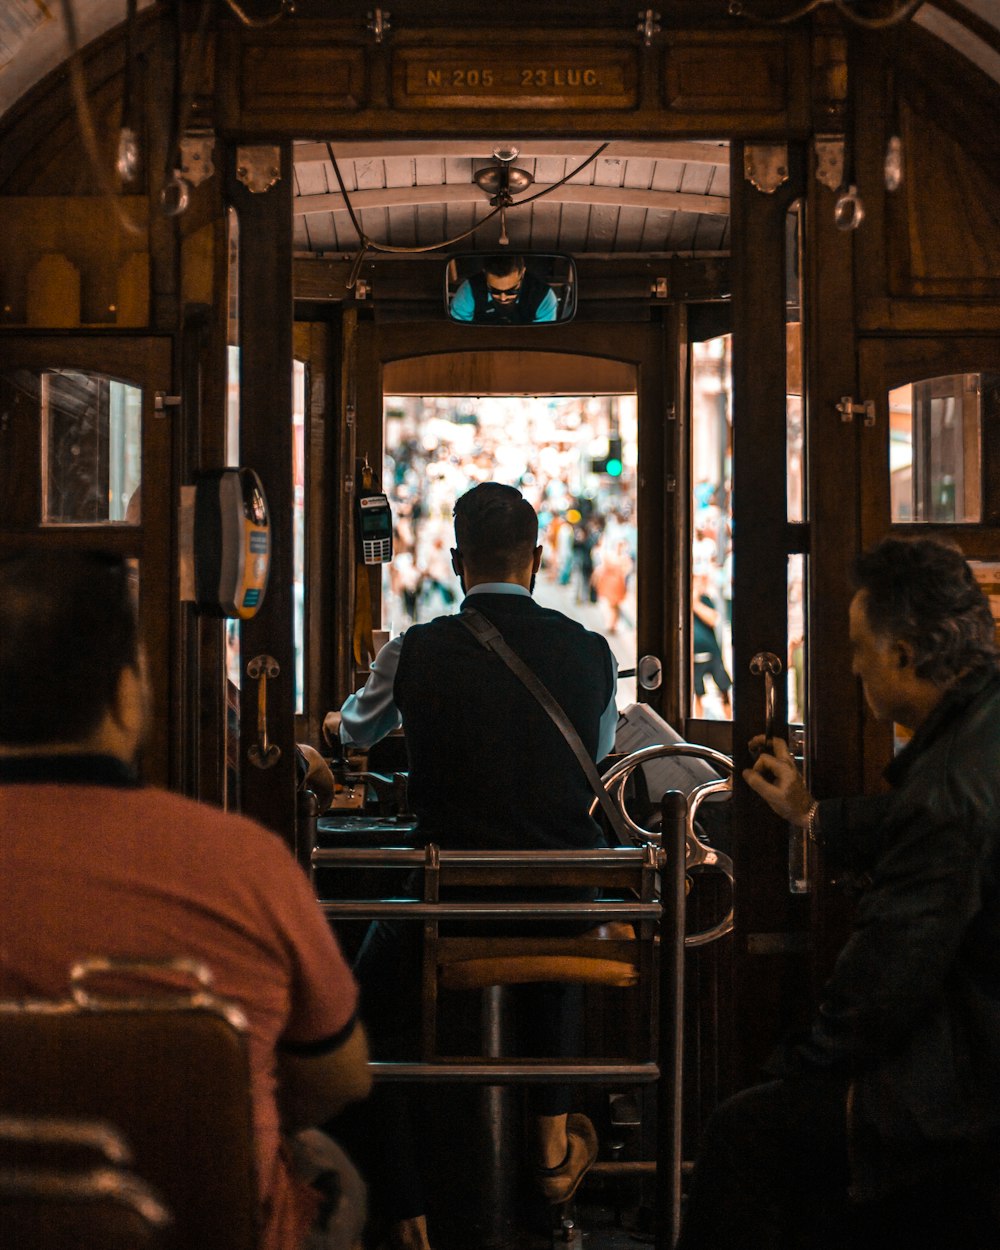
[162, 401]
[848, 409]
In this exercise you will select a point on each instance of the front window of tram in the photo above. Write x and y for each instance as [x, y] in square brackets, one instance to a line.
[573, 457]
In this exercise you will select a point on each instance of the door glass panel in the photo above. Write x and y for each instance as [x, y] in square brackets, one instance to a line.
[794, 392]
[575, 460]
[712, 531]
[299, 529]
[91, 462]
[935, 449]
[234, 668]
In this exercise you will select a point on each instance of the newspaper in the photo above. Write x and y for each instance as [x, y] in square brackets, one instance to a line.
[639, 726]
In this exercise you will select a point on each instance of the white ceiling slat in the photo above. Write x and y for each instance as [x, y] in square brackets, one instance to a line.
[631, 222]
[321, 235]
[695, 179]
[403, 227]
[639, 174]
[573, 224]
[602, 228]
[609, 173]
[549, 169]
[396, 197]
[311, 179]
[657, 231]
[430, 224]
[545, 221]
[400, 172]
[459, 169]
[682, 235]
[458, 218]
[667, 175]
[368, 174]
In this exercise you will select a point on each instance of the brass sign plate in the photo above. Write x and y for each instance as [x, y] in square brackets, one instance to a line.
[522, 77]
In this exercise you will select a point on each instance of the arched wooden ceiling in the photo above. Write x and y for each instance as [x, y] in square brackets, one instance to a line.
[635, 198]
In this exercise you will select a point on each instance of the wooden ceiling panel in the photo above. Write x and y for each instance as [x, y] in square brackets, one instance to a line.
[636, 197]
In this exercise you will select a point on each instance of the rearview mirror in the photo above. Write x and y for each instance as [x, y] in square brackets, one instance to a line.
[511, 289]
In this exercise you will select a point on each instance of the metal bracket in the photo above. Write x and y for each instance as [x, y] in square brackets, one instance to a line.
[848, 409]
[196, 156]
[162, 401]
[830, 160]
[648, 26]
[379, 24]
[766, 165]
[258, 167]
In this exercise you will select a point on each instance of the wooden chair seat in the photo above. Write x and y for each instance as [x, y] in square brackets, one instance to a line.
[566, 960]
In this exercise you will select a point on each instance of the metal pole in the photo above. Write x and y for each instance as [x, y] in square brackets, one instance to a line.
[671, 1030]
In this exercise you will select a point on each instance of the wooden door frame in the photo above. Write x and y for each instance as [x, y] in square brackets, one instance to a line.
[648, 348]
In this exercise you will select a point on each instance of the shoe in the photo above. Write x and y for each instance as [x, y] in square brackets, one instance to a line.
[560, 1184]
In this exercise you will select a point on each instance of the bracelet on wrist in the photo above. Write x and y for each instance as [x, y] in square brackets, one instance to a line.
[812, 826]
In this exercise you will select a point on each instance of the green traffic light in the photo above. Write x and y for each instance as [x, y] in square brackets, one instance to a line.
[613, 468]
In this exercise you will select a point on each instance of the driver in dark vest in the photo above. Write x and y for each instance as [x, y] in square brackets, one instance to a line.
[504, 292]
[490, 770]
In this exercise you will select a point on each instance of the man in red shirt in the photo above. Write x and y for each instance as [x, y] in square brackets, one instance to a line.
[93, 862]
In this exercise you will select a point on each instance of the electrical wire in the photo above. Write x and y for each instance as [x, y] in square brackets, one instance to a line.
[896, 18]
[259, 23]
[902, 14]
[736, 9]
[85, 121]
[370, 245]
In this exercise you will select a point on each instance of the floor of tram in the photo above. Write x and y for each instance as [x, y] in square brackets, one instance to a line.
[481, 1191]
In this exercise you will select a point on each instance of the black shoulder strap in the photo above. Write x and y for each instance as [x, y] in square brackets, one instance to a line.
[491, 638]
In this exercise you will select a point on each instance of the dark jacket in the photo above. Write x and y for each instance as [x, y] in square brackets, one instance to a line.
[487, 766]
[911, 1013]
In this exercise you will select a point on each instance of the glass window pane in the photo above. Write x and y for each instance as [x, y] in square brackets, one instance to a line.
[299, 528]
[794, 346]
[91, 430]
[711, 527]
[935, 449]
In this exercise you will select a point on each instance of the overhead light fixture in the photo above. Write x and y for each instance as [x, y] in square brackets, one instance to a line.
[503, 180]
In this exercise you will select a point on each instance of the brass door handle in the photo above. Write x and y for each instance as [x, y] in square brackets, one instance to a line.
[262, 753]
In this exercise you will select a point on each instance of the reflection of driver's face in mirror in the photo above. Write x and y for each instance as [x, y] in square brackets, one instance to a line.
[504, 287]
[504, 292]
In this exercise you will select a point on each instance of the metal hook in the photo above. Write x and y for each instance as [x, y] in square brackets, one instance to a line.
[262, 753]
[849, 210]
[175, 196]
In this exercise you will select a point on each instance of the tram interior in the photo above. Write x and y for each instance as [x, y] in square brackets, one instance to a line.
[236, 236]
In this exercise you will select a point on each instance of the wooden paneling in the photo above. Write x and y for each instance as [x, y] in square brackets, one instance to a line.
[712, 74]
[507, 373]
[317, 76]
[928, 254]
[282, 75]
[105, 244]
